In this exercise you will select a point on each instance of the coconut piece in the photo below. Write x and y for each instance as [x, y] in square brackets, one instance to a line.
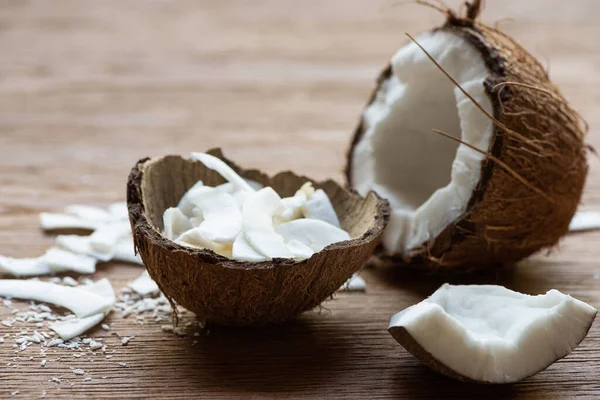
[291, 207]
[222, 217]
[71, 328]
[224, 170]
[175, 223]
[81, 301]
[107, 236]
[313, 233]
[184, 204]
[223, 291]
[491, 334]
[118, 211]
[53, 221]
[243, 251]
[585, 221]
[24, 266]
[319, 207]
[124, 251]
[194, 237]
[299, 249]
[355, 283]
[61, 260]
[88, 213]
[498, 196]
[196, 221]
[257, 220]
[143, 284]
[81, 245]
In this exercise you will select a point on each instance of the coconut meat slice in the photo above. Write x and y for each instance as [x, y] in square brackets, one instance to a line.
[313, 233]
[292, 207]
[319, 207]
[107, 236]
[428, 179]
[53, 221]
[585, 221]
[242, 250]
[88, 213]
[125, 251]
[62, 260]
[118, 211]
[299, 249]
[185, 205]
[24, 266]
[224, 170]
[81, 301]
[193, 238]
[257, 222]
[222, 216]
[143, 284]
[175, 223]
[491, 334]
[81, 245]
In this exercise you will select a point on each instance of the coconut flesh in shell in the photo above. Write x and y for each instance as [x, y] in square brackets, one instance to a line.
[490, 334]
[226, 291]
[514, 184]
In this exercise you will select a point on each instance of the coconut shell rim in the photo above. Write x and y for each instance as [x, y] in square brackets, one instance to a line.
[140, 225]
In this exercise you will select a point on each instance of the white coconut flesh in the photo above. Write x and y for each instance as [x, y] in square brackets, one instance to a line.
[245, 221]
[427, 178]
[492, 334]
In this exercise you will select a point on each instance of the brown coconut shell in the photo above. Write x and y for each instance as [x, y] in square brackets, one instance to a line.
[230, 292]
[506, 220]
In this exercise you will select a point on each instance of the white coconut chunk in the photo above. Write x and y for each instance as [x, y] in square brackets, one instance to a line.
[243, 251]
[492, 334]
[88, 213]
[292, 207]
[585, 221]
[77, 299]
[143, 284]
[81, 245]
[319, 207]
[175, 223]
[107, 236]
[24, 266]
[71, 328]
[257, 222]
[62, 260]
[52, 221]
[299, 249]
[354, 284]
[124, 251]
[222, 217]
[224, 170]
[428, 179]
[194, 238]
[185, 205]
[314, 233]
[118, 211]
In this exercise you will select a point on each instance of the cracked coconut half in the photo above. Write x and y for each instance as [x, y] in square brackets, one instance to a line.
[510, 181]
[490, 334]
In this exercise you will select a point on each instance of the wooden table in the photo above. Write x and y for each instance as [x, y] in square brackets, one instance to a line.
[89, 87]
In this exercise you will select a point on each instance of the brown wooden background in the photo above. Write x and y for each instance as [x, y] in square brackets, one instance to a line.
[89, 87]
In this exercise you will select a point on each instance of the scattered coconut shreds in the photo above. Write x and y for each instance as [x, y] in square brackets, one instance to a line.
[143, 284]
[585, 221]
[355, 283]
[78, 371]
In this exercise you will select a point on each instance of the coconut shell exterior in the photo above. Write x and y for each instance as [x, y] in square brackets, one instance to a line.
[229, 292]
[506, 220]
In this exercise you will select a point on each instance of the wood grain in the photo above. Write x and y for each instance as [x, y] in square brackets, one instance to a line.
[89, 87]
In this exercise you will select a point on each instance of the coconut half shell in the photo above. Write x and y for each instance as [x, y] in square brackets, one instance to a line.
[540, 138]
[230, 292]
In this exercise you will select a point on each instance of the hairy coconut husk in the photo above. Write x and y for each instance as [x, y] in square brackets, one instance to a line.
[538, 137]
[230, 292]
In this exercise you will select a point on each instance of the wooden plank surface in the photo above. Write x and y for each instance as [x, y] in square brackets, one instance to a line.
[89, 87]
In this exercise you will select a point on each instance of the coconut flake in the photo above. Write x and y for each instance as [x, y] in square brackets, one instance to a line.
[81, 245]
[318, 206]
[61, 260]
[585, 221]
[292, 207]
[194, 238]
[81, 301]
[243, 251]
[492, 334]
[185, 205]
[124, 251]
[355, 283]
[53, 221]
[74, 327]
[175, 223]
[313, 233]
[222, 217]
[224, 170]
[88, 213]
[24, 266]
[143, 284]
[118, 211]
[299, 249]
[107, 236]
